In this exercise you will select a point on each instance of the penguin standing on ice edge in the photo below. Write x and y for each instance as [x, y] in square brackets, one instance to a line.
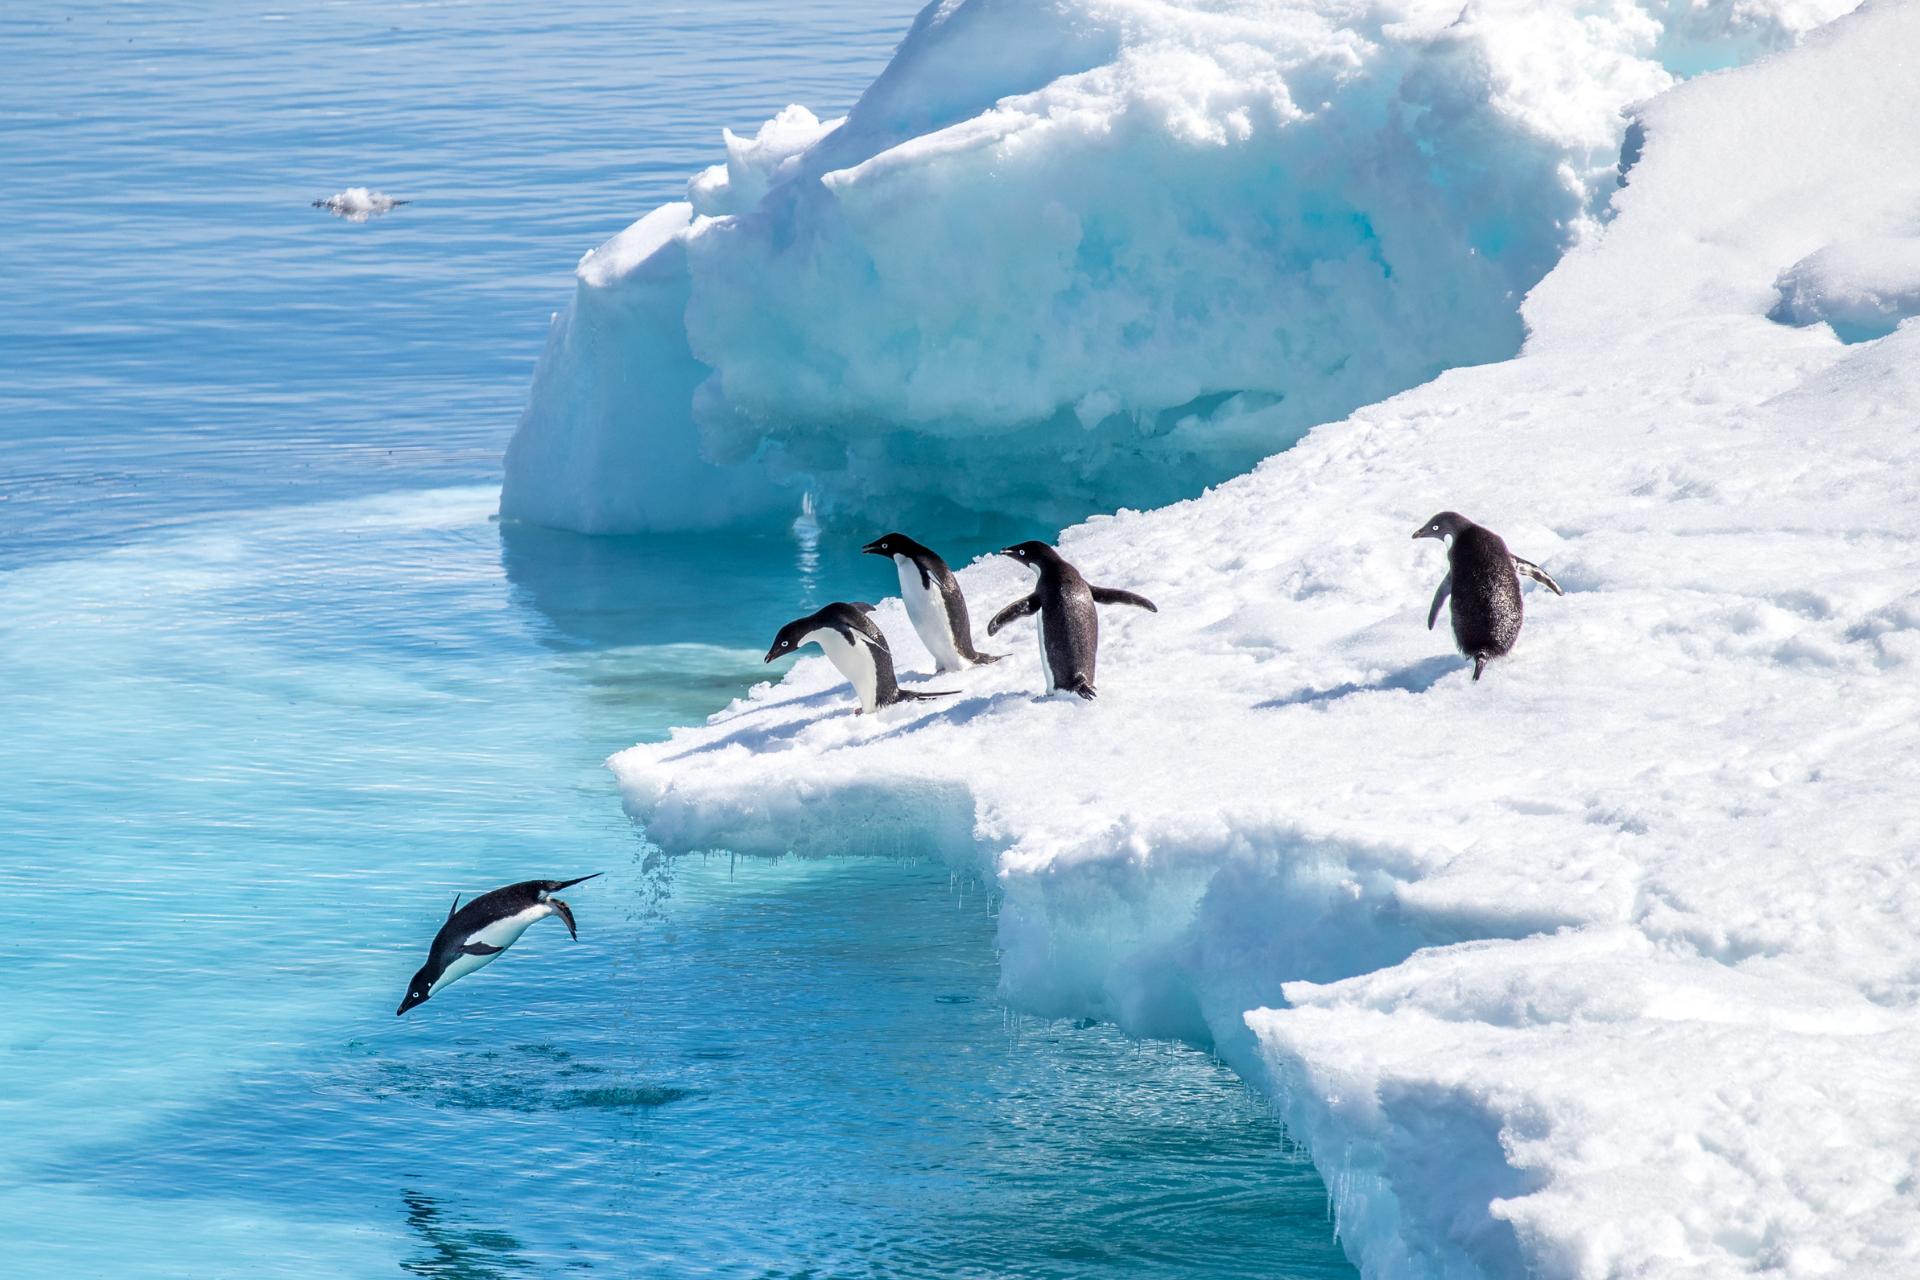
[1482, 578]
[856, 647]
[1069, 624]
[934, 603]
[474, 935]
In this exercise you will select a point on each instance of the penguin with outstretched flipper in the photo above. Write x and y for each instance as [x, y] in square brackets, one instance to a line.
[856, 647]
[1484, 584]
[934, 603]
[474, 935]
[1069, 624]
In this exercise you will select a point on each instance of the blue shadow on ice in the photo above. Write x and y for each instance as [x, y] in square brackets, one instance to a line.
[1418, 678]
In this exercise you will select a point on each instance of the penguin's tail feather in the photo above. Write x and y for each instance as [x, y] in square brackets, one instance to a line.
[555, 886]
[982, 659]
[1479, 664]
[1084, 687]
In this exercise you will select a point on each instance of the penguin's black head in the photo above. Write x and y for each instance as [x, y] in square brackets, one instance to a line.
[788, 642]
[416, 990]
[1034, 555]
[1444, 525]
[893, 544]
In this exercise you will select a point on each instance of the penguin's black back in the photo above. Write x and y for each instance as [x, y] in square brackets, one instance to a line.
[497, 905]
[1070, 625]
[487, 908]
[1485, 604]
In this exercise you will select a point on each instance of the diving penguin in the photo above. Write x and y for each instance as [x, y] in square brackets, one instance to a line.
[1069, 626]
[934, 603]
[855, 646]
[474, 935]
[1481, 578]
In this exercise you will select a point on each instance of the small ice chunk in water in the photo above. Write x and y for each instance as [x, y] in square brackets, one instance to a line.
[357, 204]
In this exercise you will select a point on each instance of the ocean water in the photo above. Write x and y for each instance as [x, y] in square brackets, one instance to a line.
[275, 686]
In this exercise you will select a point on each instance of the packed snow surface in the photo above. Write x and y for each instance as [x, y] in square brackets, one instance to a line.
[1608, 965]
[1066, 255]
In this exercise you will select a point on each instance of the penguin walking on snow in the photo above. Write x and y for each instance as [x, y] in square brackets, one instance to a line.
[1069, 625]
[934, 603]
[474, 935]
[1482, 577]
[855, 646]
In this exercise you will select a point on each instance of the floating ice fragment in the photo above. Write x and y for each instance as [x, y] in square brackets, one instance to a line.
[357, 204]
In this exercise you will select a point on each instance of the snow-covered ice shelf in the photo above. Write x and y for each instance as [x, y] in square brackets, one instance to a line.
[1605, 966]
[1070, 255]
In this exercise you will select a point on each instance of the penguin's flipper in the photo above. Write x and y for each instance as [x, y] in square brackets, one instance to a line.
[480, 949]
[1113, 595]
[555, 886]
[908, 695]
[1440, 598]
[1018, 609]
[455, 907]
[565, 912]
[1528, 568]
[861, 605]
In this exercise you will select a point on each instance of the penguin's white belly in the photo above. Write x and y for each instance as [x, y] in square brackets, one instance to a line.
[927, 610]
[1046, 668]
[853, 661]
[502, 933]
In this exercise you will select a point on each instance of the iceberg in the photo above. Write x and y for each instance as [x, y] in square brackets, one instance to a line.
[1607, 965]
[1070, 255]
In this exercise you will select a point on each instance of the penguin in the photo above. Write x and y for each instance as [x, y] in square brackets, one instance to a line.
[934, 603]
[1482, 579]
[854, 645]
[474, 936]
[1069, 628]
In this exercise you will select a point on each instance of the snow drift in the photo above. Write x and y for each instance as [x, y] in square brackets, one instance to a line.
[1610, 964]
[1066, 255]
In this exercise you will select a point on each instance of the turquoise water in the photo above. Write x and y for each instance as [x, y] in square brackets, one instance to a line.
[275, 687]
